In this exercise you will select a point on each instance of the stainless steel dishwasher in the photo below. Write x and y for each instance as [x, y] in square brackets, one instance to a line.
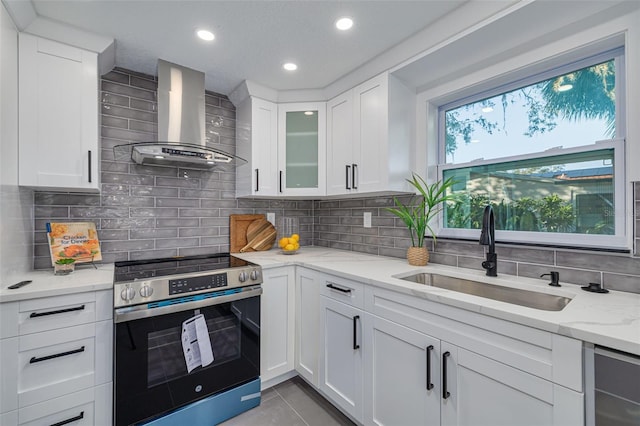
[612, 380]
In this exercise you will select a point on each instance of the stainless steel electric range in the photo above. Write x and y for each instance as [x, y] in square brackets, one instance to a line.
[186, 339]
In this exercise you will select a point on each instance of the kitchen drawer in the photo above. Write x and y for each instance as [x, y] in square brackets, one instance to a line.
[342, 289]
[87, 407]
[50, 313]
[55, 363]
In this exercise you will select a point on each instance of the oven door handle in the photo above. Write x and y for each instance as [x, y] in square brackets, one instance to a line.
[129, 313]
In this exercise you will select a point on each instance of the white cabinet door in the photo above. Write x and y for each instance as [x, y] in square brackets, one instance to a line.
[307, 315]
[341, 347]
[302, 149]
[257, 142]
[479, 391]
[58, 116]
[277, 323]
[401, 375]
[371, 130]
[340, 144]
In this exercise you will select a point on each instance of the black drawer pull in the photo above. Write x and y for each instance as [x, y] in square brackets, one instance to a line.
[429, 384]
[71, 420]
[280, 182]
[61, 311]
[34, 359]
[334, 287]
[445, 393]
[355, 332]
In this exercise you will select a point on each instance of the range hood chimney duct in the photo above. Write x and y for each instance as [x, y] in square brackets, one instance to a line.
[181, 111]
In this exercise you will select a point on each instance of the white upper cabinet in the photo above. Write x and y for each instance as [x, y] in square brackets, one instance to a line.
[369, 138]
[257, 142]
[340, 144]
[302, 149]
[58, 116]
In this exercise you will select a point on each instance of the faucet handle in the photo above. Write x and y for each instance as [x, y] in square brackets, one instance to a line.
[555, 278]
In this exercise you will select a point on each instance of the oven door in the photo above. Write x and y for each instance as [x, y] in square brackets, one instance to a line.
[151, 377]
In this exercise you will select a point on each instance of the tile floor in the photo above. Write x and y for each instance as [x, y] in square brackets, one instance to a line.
[291, 403]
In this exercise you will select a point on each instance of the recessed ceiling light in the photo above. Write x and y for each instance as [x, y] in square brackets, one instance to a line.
[290, 66]
[487, 109]
[475, 140]
[344, 24]
[308, 113]
[205, 35]
[565, 87]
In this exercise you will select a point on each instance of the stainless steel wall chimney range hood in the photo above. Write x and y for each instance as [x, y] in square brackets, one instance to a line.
[181, 125]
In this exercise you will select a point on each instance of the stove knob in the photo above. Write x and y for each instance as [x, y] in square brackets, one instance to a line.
[242, 277]
[255, 274]
[128, 293]
[146, 291]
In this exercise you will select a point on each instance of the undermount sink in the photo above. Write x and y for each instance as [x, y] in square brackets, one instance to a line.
[530, 299]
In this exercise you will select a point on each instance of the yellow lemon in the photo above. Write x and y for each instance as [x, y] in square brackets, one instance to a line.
[296, 246]
[291, 240]
[289, 247]
[283, 242]
[295, 237]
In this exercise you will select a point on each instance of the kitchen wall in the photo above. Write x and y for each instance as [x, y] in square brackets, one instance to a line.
[152, 211]
[16, 222]
[338, 224]
[145, 212]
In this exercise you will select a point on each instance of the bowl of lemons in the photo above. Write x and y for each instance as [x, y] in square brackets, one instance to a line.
[289, 245]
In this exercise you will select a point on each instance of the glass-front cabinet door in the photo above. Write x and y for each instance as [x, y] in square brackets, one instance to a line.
[302, 148]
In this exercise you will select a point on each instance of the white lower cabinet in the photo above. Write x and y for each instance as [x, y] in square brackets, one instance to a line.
[480, 391]
[277, 313]
[340, 364]
[402, 375]
[56, 360]
[306, 327]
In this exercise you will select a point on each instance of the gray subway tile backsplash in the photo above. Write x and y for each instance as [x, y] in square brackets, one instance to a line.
[146, 212]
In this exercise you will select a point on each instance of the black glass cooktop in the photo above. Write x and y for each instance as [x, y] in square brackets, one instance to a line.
[143, 269]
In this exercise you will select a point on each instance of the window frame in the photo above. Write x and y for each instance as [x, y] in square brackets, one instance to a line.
[617, 241]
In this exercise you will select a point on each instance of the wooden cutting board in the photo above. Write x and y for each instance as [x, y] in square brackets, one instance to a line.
[238, 224]
[261, 235]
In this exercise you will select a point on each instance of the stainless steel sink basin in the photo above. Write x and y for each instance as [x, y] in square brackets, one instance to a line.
[530, 299]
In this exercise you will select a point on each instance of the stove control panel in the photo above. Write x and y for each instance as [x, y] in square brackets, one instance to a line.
[190, 284]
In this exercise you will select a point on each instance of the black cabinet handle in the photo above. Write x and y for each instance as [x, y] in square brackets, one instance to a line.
[257, 180]
[355, 332]
[280, 181]
[347, 177]
[354, 172]
[445, 393]
[61, 311]
[334, 287]
[71, 420]
[89, 166]
[34, 359]
[429, 384]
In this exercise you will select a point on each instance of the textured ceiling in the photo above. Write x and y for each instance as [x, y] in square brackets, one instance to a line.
[253, 38]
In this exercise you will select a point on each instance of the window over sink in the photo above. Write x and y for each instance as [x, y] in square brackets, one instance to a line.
[547, 152]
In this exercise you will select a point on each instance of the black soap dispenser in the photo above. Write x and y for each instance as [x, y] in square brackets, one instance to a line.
[555, 278]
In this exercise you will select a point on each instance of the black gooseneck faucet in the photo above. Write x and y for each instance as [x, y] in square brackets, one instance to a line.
[487, 238]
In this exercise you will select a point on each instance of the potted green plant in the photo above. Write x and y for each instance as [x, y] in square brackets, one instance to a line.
[417, 214]
[64, 266]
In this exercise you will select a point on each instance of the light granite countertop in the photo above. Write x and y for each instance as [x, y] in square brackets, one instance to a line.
[611, 320]
[45, 283]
